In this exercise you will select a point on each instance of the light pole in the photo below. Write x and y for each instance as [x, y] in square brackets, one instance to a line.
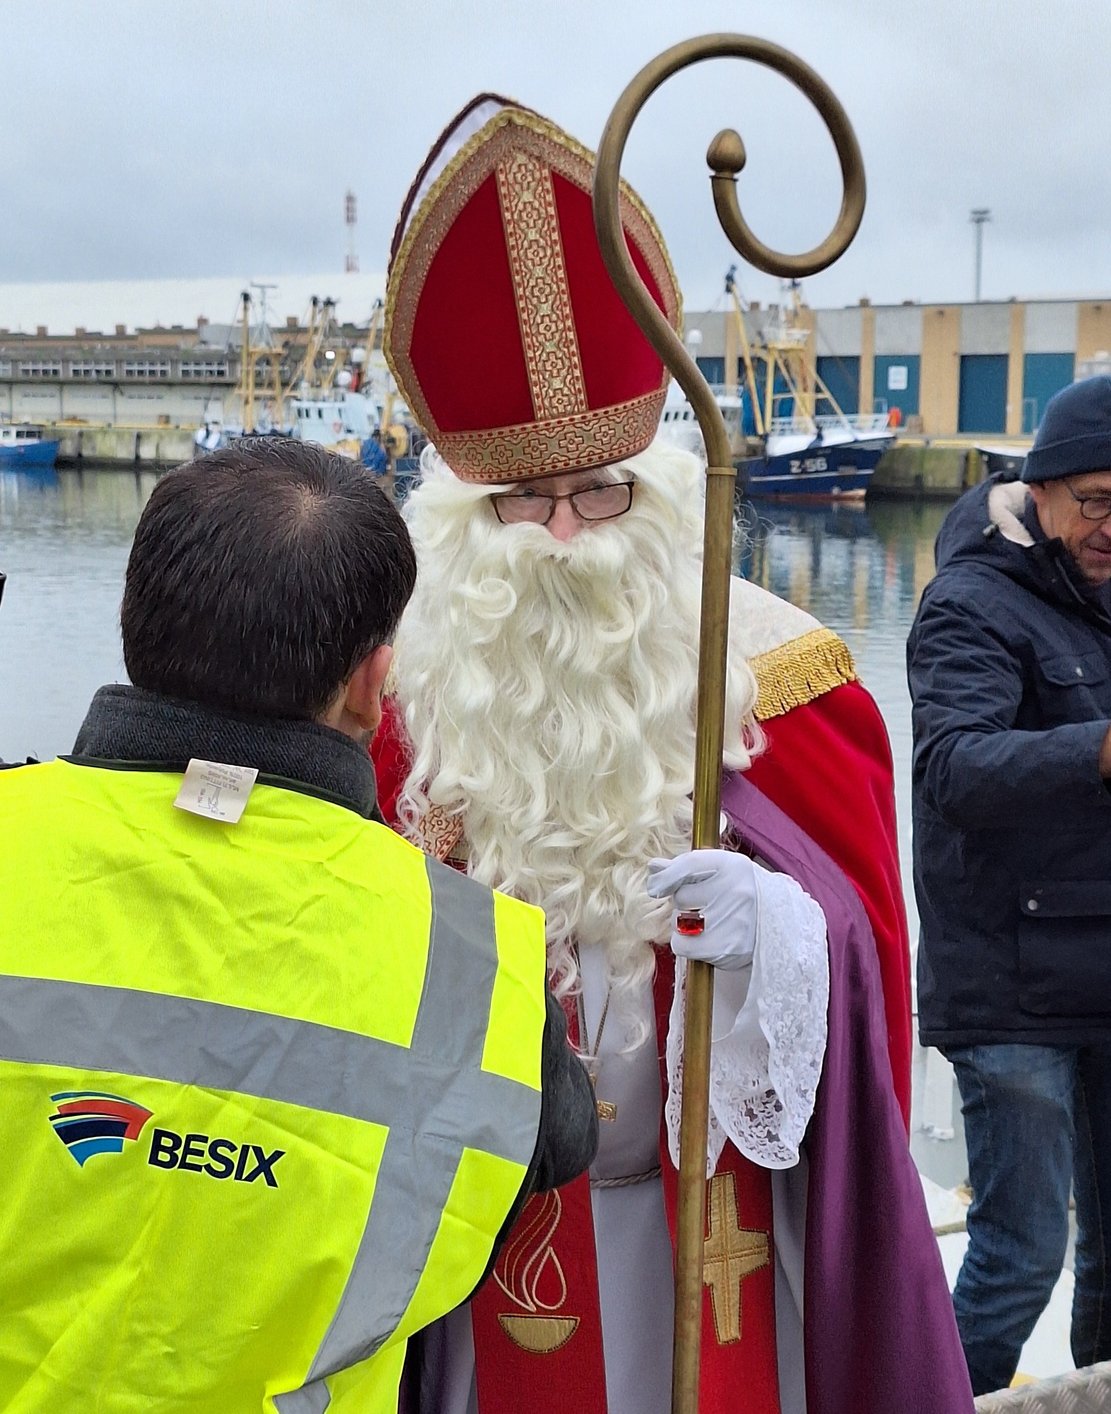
[978, 217]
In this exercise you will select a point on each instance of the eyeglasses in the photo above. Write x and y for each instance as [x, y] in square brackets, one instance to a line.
[591, 503]
[1092, 507]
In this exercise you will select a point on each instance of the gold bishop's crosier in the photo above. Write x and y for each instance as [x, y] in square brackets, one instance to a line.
[726, 157]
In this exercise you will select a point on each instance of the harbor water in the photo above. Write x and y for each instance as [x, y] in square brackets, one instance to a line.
[64, 540]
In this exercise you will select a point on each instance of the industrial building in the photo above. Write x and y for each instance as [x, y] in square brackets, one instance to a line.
[948, 369]
[166, 362]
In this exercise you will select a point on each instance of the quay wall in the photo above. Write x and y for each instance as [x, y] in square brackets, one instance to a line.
[927, 470]
[121, 445]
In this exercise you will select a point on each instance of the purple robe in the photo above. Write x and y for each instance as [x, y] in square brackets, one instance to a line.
[880, 1334]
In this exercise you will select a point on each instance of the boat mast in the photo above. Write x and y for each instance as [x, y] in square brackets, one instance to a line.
[785, 352]
[820, 392]
[277, 416]
[746, 351]
[246, 389]
[805, 399]
[331, 365]
[383, 391]
[306, 369]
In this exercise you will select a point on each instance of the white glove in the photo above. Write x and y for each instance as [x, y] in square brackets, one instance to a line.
[722, 886]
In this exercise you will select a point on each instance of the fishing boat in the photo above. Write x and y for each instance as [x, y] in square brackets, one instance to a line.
[257, 405]
[337, 396]
[790, 438]
[340, 420]
[22, 444]
[343, 394]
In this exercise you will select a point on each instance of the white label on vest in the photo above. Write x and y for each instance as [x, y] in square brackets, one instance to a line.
[216, 791]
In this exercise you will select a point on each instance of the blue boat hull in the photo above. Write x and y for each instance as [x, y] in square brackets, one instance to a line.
[817, 472]
[28, 454]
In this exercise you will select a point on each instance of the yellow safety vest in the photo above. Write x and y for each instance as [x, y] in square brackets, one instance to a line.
[269, 1092]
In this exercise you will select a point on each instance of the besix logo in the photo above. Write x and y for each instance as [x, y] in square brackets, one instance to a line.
[224, 1158]
[92, 1122]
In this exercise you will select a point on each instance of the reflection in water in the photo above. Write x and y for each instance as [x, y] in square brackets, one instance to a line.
[64, 538]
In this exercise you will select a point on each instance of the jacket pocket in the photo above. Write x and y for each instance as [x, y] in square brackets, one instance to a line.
[1064, 948]
[1075, 669]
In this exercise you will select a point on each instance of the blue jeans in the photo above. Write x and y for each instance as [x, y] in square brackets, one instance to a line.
[1037, 1119]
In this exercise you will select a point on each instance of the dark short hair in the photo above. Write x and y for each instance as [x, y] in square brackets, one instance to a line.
[260, 577]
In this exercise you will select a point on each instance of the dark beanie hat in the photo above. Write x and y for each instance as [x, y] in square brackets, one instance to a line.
[1075, 433]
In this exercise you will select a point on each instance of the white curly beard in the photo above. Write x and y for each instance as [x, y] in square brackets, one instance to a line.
[549, 692]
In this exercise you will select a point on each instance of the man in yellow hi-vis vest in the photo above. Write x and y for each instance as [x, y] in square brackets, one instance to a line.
[274, 1083]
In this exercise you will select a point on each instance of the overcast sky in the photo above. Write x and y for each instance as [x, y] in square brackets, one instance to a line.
[217, 137]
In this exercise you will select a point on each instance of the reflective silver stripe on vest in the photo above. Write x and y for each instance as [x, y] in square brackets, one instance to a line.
[426, 1094]
[418, 1165]
[313, 1399]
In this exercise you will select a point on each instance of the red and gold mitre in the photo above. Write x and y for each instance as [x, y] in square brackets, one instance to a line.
[504, 332]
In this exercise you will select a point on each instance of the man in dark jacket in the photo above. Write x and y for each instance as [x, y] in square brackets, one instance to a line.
[1010, 673]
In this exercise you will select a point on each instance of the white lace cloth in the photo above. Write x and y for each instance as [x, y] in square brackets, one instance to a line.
[769, 1034]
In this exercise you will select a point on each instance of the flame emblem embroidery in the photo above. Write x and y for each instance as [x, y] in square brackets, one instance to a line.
[531, 1276]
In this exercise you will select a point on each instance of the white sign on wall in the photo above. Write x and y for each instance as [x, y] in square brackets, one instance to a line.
[897, 378]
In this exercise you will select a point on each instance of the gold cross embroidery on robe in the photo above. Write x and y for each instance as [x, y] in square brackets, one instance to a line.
[731, 1253]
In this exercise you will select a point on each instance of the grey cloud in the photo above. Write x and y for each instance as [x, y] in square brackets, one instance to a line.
[160, 138]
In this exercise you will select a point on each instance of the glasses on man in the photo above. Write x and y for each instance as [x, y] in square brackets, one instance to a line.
[591, 503]
[1092, 507]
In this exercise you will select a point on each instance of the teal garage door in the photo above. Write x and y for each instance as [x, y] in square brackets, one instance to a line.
[983, 396]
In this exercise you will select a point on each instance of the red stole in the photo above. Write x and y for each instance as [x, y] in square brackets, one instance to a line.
[537, 1319]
